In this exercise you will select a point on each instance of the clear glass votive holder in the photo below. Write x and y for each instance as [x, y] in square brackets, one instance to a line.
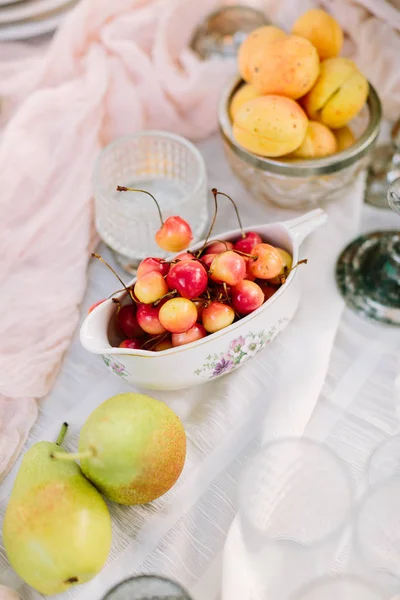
[384, 462]
[166, 165]
[345, 587]
[295, 499]
[147, 587]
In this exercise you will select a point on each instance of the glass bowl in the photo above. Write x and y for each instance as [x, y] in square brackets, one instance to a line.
[292, 183]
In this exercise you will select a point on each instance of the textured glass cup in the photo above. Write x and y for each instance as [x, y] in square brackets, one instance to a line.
[167, 166]
[147, 587]
[295, 499]
[340, 588]
[384, 461]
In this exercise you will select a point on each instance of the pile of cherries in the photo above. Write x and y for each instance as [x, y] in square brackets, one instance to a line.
[197, 293]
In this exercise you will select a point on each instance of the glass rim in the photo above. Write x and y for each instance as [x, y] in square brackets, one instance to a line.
[301, 168]
[98, 189]
[328, 451]
[147, 577]
[357, 512]
[330, 579]
[374, 453]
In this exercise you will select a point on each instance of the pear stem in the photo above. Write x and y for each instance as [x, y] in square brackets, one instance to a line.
[76, 456]
[122, 188]
[62, 433]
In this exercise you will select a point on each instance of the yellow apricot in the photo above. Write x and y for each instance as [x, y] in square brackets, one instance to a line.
[344, 137]
[243, 95]
[289, 67]
[270, 125]
[254, 48]
[338, 95]
[322, 30]
[319, 141]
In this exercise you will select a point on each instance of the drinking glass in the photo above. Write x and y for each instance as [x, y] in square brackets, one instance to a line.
[368, 270]
[147, 587]
[345, 587]
[295, 499]
[376, 544]
[384, 461]
[166, 165]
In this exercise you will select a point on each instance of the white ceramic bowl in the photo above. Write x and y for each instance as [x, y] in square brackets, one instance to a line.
[216, 354]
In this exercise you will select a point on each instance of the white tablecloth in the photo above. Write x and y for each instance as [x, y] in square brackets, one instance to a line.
[183, 534]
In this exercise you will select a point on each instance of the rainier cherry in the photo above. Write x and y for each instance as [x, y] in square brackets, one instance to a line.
[194, 333]
[151, 287]
[174, 235]
[185, 256]
[95, 306]
[247, 243]
[165, 344]
[246, 297]
[152, 264]
[147, 316]
[267, 289]
[178, 315]
[216, 316]
[287, 265]
[228, 267]
[268, 263]
[128, 322]
[131, 344]
[189, 278]
[218, 247]
[207, 259]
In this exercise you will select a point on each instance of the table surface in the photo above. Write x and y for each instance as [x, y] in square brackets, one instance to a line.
[183, 534]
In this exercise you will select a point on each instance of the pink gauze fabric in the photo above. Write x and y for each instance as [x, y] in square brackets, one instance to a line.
[112, 69]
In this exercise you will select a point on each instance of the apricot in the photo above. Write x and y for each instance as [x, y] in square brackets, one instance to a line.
[289, 67]
[339, 94]
[254, 48]
[322, 30]
[243, 95]
[319, 141]
[270, 125]
[344, 137]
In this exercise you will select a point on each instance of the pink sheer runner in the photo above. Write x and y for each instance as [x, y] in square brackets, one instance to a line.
[112, 69]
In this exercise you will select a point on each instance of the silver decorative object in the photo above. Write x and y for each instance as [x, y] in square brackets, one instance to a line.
[222, 32]
[368, 270]
[147, 587]
[383, 170]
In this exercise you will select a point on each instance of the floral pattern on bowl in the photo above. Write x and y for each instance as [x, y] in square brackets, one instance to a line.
[115, 366]
[239, 351]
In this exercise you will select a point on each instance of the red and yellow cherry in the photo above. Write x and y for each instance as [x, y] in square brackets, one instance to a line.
[247, 296]
[152, 264]
[151, 287]
[174, 235]
[128, 322]
[247, 243]
[216, 316]
[134, 344]
[147, 316]
[287, 265]
[218, 247]
[178, 315]
[267, 289]
[197, 332]
[207, 259]
[95, 305]
[228, 267]
[268, 262]
[188, 277]
[185, 256]
[165, 344]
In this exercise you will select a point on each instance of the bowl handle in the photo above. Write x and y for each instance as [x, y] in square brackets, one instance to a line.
[301, 227]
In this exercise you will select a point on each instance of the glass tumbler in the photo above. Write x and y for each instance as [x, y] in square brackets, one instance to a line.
[384, 461]
[341, 588]
[147, 587]
[295, 499]
[166, 165]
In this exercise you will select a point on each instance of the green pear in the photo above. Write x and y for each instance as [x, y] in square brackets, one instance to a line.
[57, 527]
[132, 448]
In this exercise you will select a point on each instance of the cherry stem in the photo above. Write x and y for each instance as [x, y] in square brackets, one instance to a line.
[94, 255]
[285, 275]
[62, 434]
[245, 254]
[226, 291]
[220, 241]
[156, 340]
[167, 295]
[217, 193]
[122, 188]
[214, 193]
[76, 456]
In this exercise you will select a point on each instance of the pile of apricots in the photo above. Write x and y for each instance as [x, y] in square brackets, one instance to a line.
[299, 95]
